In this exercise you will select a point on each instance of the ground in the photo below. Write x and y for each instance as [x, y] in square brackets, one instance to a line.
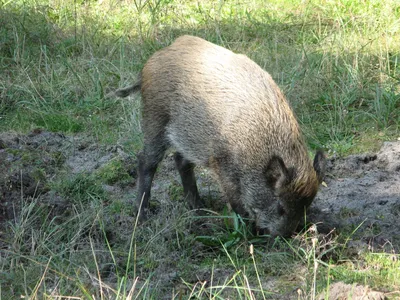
[363, 191]
[360, 196]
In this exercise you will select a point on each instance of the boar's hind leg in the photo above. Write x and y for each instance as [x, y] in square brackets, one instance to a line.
[148, 160]
[186, 170]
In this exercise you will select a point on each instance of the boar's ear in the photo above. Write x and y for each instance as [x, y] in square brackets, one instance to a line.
[320, 165]
[276, 173]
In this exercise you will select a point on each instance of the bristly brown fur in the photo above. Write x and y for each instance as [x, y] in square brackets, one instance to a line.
[220, 110]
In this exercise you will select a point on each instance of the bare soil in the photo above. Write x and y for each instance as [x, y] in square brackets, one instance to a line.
[363, 194]
[342, 291]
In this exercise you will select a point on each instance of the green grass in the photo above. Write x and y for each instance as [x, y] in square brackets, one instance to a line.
[80, 188]
[379, 269]
[336, 61]
[113, 172]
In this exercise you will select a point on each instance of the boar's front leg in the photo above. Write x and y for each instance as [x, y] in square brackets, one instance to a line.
[186, 171]
[230, 184]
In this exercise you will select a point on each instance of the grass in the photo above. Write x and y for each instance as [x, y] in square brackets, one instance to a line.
[336, 61]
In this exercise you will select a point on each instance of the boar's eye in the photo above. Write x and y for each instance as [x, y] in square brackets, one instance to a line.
[281, 210]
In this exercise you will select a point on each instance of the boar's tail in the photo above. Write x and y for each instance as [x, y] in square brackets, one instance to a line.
[134, 88]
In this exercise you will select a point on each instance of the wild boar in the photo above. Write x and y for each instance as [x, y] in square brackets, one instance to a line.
[222, 111]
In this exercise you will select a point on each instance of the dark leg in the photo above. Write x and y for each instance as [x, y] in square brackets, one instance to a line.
[238, 208]
[232, 194]
[147, 165]
[230, 184]
[186, 170]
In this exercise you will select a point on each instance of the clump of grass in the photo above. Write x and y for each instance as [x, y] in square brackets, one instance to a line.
[113, 172]
[81, 188]
[233, 232]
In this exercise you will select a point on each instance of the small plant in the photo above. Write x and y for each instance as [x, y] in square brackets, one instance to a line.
[58, 158]
[235, 232]
[112, 172]
[347, 212]
[175, 191]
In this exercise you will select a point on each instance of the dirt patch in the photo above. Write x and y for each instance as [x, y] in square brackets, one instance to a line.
[30, 163]
[342, 291]
[363, 195]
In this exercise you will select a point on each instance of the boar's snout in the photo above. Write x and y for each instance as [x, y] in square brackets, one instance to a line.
[275, 221]
[285, 231]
